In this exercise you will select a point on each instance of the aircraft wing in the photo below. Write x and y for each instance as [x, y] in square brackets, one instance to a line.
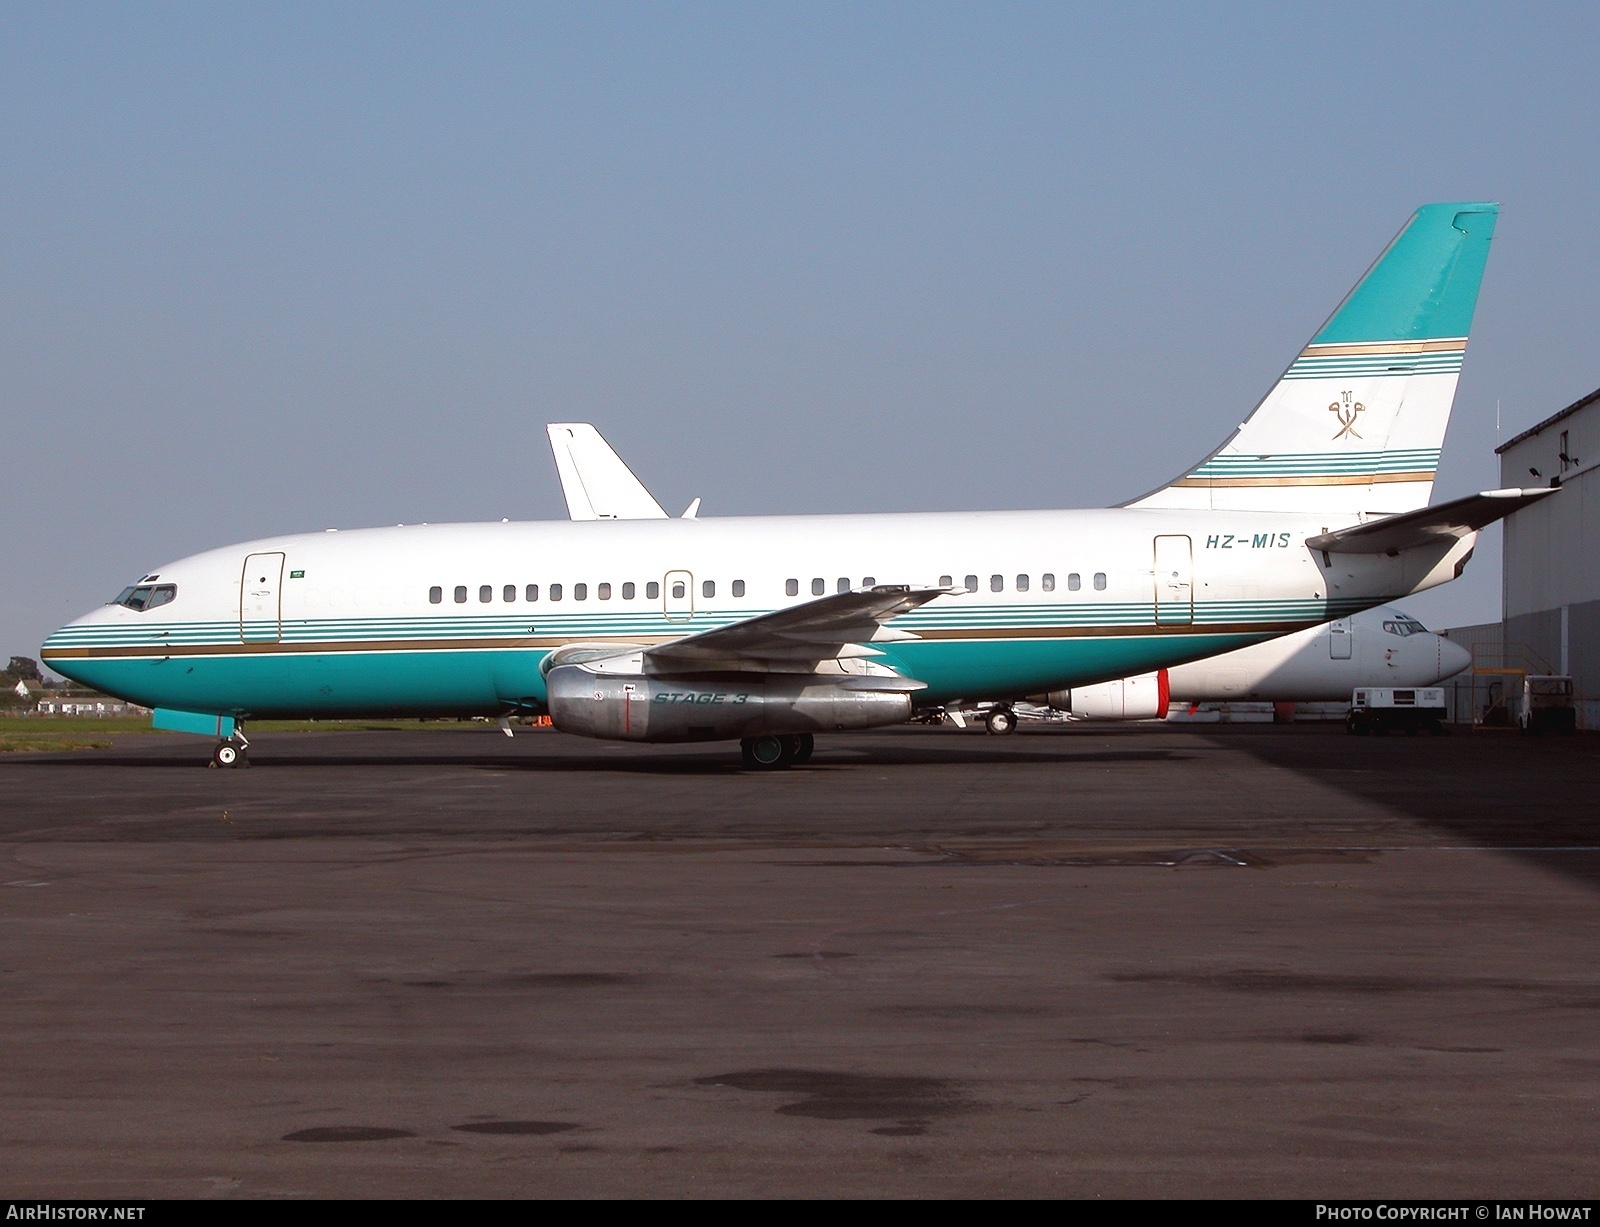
[1428, 525]
[823, 629]
[598, 485]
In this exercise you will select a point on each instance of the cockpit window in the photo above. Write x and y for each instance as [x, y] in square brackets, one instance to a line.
[1404, 627]
[144, 597]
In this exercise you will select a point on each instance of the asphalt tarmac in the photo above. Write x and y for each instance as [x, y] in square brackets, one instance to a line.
[1245, 961]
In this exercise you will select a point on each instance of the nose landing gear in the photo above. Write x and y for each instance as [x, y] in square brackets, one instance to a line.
[234, 752]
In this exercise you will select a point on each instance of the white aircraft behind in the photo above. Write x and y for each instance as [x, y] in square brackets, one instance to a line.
[1377, 647]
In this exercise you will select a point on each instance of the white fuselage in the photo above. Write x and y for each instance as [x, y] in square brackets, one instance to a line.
[457, 618]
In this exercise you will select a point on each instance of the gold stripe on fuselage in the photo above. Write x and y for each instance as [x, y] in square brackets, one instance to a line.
[268, 648]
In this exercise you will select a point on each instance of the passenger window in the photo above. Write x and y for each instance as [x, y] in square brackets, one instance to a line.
[486, 593]
[1022, 583]
[509, 593]
[708, 588]
[1099, 581]
[435, 595]
[1074, 582]
[461, 594]
[555, 592]
[791, 587]
[580, 592]
[652, 590]
[738, 587]
[627, 592]
[972, 583]
[945, 581]
[818, 587]
[997, 583]
[843, 583]
[605, 592]
[678, 590]
[867, 581]
[1047, 581]
[531, 592]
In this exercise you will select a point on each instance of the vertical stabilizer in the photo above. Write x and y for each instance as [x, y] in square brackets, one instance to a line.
[598, 485]
[1356, 423]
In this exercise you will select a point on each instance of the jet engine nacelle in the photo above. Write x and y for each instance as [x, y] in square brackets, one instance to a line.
[625, 707]
[1144, 697]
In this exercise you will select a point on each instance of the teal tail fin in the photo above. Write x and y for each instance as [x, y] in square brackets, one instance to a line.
[1357, 421]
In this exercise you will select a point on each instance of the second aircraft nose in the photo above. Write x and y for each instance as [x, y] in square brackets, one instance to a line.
[1452, 658]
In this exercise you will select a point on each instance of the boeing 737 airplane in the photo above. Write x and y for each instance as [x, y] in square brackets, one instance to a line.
[769, 629]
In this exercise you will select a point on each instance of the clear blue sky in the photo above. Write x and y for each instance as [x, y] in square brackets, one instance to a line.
[283, 267]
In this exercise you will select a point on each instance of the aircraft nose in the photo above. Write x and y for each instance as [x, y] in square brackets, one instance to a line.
[1453, 658]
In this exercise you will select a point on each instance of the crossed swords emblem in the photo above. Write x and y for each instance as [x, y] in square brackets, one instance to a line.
[1346, 412]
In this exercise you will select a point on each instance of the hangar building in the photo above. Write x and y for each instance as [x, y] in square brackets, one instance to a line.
[1551, 581]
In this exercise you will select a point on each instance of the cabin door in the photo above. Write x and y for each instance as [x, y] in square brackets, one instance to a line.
[1174, 575]
[677, 596]
[261, 599]
[1340, 639]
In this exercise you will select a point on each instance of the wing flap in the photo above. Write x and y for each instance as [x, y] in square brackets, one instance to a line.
[824, 629]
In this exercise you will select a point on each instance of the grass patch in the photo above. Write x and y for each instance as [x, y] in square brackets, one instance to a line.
[32, 725]
[10, 743]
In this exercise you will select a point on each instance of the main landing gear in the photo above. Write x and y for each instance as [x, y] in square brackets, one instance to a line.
[776, 751]
[233, 752]
[1001, 722]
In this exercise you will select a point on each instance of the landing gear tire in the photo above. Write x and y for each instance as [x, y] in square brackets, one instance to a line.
[228, 755]
[768, 753]
[1001, 722]
[804, 744]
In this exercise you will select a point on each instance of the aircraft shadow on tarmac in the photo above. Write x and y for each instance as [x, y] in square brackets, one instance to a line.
[1529, 797]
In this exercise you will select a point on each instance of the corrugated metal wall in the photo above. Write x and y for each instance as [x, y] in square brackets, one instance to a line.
[1552, 550]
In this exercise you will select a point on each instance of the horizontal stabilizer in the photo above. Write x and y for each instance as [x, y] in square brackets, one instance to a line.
[598, 485]
[817, 630]
[1428, 525]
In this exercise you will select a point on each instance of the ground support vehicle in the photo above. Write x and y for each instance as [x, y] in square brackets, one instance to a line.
[1382, 709]
[1547, 705]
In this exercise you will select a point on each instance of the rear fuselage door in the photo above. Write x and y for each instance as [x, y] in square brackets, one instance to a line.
[261, 599]
[677, 596]
[1174, 575]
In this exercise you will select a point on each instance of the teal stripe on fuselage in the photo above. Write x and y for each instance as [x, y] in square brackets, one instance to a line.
[487, 681]
[1077, 613]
